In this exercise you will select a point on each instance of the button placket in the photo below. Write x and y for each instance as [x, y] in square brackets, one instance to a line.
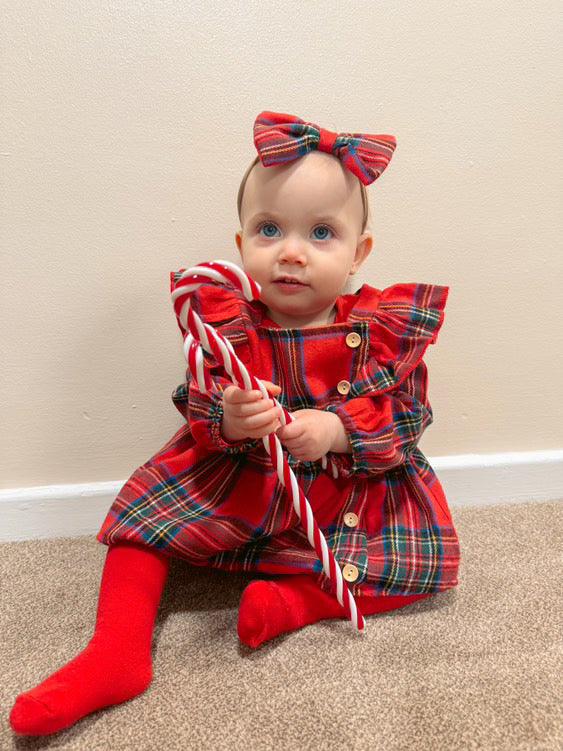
[354, 340]
[350, 541]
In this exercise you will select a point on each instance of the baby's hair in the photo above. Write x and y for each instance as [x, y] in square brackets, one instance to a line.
[255, 161]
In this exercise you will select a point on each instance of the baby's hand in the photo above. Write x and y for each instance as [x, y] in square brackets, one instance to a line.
[246, 414]
[314, 433]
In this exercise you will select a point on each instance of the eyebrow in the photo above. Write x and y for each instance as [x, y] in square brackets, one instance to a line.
[264, 215]
[329, 219]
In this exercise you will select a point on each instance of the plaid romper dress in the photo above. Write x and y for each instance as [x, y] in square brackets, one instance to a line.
[219, 504]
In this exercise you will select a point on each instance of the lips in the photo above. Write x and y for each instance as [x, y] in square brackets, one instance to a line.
[290, 280]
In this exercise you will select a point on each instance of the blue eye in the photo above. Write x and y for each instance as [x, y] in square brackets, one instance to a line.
[322, 232]
[269, 230]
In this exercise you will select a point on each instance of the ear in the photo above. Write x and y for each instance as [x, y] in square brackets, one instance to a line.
[363, 249]
[238, 240]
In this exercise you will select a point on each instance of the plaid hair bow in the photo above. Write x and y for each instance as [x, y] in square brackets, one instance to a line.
[282, 138]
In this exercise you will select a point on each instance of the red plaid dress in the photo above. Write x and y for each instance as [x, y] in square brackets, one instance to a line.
[219, 504]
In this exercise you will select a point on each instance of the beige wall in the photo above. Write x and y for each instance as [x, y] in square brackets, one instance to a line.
[127, 127]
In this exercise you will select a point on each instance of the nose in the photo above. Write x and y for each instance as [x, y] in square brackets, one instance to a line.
[293, 251]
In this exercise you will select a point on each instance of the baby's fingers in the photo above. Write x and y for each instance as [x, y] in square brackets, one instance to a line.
[247, 409]
[260, 419]
[261, 425]
[234, 395]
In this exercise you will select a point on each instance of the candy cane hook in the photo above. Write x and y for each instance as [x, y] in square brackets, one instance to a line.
[200, 335]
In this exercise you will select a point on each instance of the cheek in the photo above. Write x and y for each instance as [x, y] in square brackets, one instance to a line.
[254, 265]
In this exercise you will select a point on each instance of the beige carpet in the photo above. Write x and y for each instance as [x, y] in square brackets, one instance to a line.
[475, 668]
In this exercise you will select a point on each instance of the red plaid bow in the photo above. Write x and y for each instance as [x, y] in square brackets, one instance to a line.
[282, 138]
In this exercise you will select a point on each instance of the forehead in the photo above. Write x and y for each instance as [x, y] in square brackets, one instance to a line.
[316, 182]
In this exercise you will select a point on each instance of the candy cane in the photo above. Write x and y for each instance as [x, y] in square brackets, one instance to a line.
[200, 335]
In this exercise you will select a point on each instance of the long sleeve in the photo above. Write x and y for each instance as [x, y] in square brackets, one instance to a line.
[387, 409]
[383, 429]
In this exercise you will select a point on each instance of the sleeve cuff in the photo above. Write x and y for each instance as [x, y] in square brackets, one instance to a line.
[217, 439]
[354, 462]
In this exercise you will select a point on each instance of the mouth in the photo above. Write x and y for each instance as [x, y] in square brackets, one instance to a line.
[290, 281]
[290, 285]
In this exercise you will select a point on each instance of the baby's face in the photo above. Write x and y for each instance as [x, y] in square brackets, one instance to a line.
[301, 237]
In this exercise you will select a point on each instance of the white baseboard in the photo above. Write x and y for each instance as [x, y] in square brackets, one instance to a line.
[55, 510]
[467, 479]
[515, 477]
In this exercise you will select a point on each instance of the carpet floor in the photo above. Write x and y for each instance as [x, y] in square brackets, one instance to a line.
[479, 667]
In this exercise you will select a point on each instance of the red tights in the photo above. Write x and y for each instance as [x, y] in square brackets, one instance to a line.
[116, 665]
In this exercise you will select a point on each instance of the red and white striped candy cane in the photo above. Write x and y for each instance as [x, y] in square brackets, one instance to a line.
[200, 335]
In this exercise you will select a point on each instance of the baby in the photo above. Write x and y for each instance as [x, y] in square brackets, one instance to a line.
[348, 367]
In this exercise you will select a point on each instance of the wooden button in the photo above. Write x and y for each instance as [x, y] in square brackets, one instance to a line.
[351, 520]
[353, 340]
[343, 387]
[350, 572]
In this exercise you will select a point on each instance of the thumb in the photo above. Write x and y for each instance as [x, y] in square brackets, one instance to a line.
[272, 388]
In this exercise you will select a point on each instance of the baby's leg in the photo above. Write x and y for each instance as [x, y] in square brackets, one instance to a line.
[270, 608]
[116, 665]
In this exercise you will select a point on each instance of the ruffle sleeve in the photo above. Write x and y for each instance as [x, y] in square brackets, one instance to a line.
[403, 320]
[388, 408]
[214, 303]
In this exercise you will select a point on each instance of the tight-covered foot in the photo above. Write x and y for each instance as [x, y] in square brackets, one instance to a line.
[271, 608]
[93, 680]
